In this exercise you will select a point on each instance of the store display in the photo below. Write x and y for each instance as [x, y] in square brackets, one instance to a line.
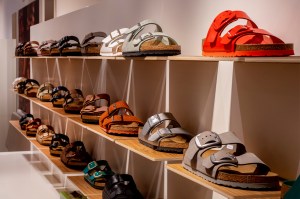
[120, 120]
[58, 143]
[69, 46]
[73, 101]
[44, 134]
[150, 43]
[58, 96]
[121, 186]
[32, 126]
[112, 44]
[231, 165]
[162, 132]
[242, 40]
[75, 156]
[31, 48]
[97, 172]
[23, 121]
[90, 47]
[44, 92]
[17, 81]
[44, 47]
[93, 107]
[291, 189]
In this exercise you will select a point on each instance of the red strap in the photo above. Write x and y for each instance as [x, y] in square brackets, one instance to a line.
[113, 109]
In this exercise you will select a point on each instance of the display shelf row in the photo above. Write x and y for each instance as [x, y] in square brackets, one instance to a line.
[288, 59]
[75, 176]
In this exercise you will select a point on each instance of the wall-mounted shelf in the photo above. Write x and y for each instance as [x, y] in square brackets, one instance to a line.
[84, 187]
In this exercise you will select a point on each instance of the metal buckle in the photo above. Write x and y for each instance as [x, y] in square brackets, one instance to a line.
[216, 142]
[228, 159]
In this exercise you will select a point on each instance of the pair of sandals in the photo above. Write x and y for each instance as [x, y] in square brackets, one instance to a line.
[132, 42]
[30, 48]
[70, 100]
[29, 87]
[223, 159]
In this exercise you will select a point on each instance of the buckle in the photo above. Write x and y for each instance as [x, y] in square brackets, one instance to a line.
[212, 139]
[227, 159]
[154, 119]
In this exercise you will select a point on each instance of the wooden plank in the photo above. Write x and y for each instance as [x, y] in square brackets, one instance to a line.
[84, 187]
[46, 152]
[202, 58]
[135, 146]
[228, 192]
[38, 145]
[65, 170]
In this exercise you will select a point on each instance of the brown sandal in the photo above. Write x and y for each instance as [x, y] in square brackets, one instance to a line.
[89, 48]
[32, 126]
[31, 48]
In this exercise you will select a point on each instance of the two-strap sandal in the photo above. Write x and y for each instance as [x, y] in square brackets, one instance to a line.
[58, 96]
[112, 44]
[162, 132]
[28, 87]
[93, 107]
[44, 134]
[58, 142]
[73, 101]
[69, 46]
[241, 40]
[19, 49]
[90, 47]
[75, 156]
[223, 159]
[150, 43]
[45, 47]
[97, 172]
[25, 119]
[120, 120]
[32, 126]
[17, 81]
[44, 92]
[31, 48]
[121, 186]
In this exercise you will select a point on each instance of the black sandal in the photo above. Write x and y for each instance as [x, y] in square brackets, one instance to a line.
[69, 46]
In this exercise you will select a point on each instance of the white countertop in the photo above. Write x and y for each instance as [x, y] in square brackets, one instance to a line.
[19, 179]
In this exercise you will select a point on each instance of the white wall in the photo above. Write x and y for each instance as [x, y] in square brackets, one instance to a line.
[66, 6]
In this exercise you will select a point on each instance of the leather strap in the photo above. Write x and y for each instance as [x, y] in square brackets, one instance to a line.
[167, 133]
[115, 119]
[113, 109]
[92, 35]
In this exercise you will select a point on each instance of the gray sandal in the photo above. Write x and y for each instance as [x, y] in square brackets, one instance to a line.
[231, 166]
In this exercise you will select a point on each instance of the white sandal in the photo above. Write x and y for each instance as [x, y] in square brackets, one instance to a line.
[112, 44]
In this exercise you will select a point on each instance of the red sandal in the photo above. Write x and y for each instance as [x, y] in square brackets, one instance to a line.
[242, 40]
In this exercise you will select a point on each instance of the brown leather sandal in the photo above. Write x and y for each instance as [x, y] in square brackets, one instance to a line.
[45, 47]
[89, 47]
[31, 48]
[44, 134]
[32, 126]
[73, 101]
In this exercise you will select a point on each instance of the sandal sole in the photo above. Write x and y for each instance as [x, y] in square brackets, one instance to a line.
[162, 149]
[153, 53]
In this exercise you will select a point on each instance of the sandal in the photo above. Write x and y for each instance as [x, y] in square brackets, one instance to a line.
[242, 40]
[44, 134]
[54, 49]
[93, 107]
[32, 126]
[231, 166]
[73, 101]
[89, 48]
[69, 46]
[58, 96]
[171, 138]
[112, 44]
[19, 49]
[58, 142]
[151, 43]
[31, 48]
[290, 189]
[28, 87]
[119, 120]
[75, 156]
[44, 92]
[17, 81]
[96, 173]
[25, 119]
[44, 48]
[120, 186]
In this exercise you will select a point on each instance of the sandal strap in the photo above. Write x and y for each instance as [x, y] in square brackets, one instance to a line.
[113, 110]
[94, 164]
[207, 140]
[31, 44]
[167, 133]
[120, 178]
[140, 26]
[56, 93]
[117, 119]
[46, 44]
[91, 36]
[223, 158]
[65, 42]
[158, 119]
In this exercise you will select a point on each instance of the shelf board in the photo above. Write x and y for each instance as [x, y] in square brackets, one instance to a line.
[202, 58]
[46, 152]
[65, 170]
[15, 124]
[228, 192]
[84, 187]
[38, 145]
[135, 146]
[289, 59]
[95, 128]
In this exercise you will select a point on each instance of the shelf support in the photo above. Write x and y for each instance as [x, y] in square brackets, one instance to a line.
[127, 161]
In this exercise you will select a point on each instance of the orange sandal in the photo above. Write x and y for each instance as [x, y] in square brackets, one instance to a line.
[242, 40]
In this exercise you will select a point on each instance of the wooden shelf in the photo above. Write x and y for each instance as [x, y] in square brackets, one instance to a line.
[135, 146]
[202, 58]
[84, 187]
[231, 193]
[38, 145]
[46, 152]
[289, 59]
[65, 170]
[15, 124]
[95, 128]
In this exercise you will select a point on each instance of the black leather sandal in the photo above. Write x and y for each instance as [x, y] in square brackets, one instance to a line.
[69, 46]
